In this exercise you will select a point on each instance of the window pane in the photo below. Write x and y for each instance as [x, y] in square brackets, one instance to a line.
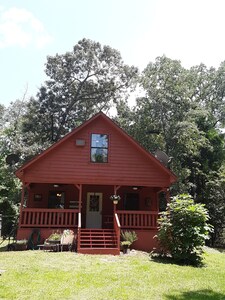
[94, 203]
[131, 201]
[99, 141]
[99, 155]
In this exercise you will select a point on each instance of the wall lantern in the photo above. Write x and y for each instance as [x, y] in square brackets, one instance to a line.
[115, 199]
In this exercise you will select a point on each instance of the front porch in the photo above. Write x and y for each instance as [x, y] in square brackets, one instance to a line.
[89, 212]
[49, 220]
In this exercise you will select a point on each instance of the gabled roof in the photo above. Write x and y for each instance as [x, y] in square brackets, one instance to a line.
[173, 178]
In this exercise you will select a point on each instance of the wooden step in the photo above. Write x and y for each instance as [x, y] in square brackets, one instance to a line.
[98, 241]
[102, 251]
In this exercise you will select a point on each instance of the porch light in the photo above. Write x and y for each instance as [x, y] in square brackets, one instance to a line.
[115, 199]
[55, 185]
[135, 188]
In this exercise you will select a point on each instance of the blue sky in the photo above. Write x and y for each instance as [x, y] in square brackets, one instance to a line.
[189, 30]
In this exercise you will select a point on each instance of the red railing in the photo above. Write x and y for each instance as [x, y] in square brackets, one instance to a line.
[117, 229]
[39, 217]
[138, 219]
[78, 231]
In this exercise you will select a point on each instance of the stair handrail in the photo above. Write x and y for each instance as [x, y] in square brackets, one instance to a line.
[78, 230]
[117, 228]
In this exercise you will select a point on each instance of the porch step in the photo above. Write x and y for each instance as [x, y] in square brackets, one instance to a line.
[98, 241]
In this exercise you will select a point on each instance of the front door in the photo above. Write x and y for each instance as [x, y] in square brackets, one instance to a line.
[94, 210]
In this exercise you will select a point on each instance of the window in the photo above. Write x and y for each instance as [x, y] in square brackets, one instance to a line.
[99, 148]
[56, 199]
[131, 201]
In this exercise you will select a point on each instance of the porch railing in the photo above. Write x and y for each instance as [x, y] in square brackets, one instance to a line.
[138, 219]
[117, 229]
[78, 231]
[39, 217]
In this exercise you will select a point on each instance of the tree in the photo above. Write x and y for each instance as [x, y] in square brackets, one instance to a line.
[10, 143]
[215, 200]
[82, 82]
[165, 117]
[9, 196]
[183, 229]
[182, 113]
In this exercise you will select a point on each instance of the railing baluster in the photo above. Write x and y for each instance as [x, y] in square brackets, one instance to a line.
[138, 219]
[142, 220]
[70, 218]
[41, 218]
[66, 218]
[38, 217]
[134, 220]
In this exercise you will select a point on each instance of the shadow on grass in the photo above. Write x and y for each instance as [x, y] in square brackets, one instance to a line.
[197, 295]
[3, 248]
[221, 250]
[4, 245]
[171, 261]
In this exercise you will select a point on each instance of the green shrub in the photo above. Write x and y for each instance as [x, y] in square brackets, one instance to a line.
[125, 244]
[129, 236]
[183, 229]
[55, 236]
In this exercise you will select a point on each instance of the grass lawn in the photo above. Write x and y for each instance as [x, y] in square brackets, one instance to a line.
[67, 275]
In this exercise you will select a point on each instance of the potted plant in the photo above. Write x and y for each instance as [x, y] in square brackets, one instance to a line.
[125, 246]
[115, 199]
[54, 238]
[128, 238]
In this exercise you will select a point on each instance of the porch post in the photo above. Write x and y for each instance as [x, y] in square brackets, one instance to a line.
[21, 204]
[116, 187]
[79, 186]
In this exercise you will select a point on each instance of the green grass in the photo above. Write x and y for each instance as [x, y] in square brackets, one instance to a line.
[67, 275]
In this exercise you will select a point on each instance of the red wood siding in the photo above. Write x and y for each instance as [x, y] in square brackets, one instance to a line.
[69, 163]
[71, 194]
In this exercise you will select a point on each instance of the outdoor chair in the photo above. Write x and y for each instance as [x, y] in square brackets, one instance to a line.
[68, 240]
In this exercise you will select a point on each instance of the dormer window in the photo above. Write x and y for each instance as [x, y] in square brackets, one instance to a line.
[99, 148]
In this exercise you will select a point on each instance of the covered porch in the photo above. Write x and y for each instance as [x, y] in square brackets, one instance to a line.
[68, 218]
[84, 208]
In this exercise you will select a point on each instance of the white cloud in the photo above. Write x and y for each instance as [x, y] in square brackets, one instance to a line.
[19, 27]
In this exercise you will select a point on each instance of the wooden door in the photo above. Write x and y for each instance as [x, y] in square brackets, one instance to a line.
[94, 210]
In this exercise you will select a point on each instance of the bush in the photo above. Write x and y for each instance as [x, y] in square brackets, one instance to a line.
[183, 229]
[129, 236]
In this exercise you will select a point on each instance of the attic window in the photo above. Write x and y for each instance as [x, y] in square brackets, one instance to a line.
[99, 148]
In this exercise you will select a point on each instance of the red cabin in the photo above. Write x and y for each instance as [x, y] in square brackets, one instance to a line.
[69, 186]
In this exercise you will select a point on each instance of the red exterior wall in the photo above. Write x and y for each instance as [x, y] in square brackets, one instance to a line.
[146, 240]
[24, 233]
[69, 163]
[71, 193]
